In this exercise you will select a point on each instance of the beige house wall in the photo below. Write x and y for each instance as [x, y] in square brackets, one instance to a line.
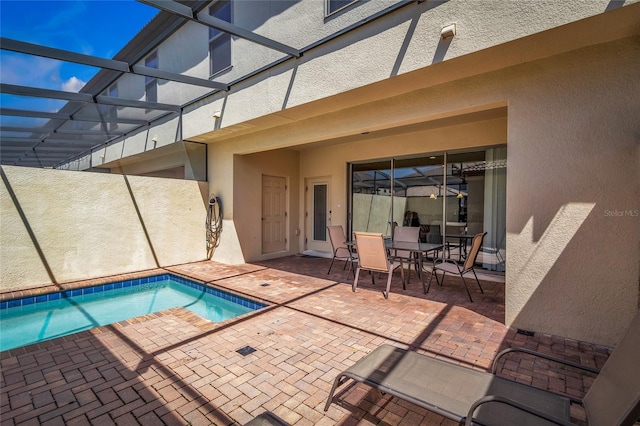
[563, 96]
[570, 125]
[60, 226]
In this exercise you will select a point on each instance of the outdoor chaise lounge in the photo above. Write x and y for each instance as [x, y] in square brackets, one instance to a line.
[475, 397]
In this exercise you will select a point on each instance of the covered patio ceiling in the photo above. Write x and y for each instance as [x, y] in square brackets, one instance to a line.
[60, 126]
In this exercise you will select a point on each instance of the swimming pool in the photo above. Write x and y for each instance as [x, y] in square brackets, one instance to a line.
[43, 317]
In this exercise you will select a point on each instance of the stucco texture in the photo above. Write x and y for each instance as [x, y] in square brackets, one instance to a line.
[571, 129]
[59, 226]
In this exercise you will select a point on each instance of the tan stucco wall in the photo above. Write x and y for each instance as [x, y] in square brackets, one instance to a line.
[59, 226]
[573, 155]
[248, 172]
[237, 180]
[571, 130]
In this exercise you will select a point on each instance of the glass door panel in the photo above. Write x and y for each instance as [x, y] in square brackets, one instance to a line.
[450, 196]
[320, 212]
[476, 194]
[371, 197]
[418, 189]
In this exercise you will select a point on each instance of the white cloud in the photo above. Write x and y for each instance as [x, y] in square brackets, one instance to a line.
[73, 85]
[28, 71]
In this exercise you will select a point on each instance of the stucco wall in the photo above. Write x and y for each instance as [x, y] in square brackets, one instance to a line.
[573, 159]
[60, 226]
[573, 165]
[405, 40]
[248, 172]
[237, 180]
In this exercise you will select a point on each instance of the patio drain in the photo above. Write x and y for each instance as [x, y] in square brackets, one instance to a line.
[265, 285]
[246, 350]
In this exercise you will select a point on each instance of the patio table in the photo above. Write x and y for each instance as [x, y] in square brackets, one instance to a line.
[415, 248]
[464, 240]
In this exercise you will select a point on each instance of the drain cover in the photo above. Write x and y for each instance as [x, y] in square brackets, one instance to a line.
[246, 350]
[265, 285]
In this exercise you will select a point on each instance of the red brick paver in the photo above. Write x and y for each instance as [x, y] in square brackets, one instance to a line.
[173, 367]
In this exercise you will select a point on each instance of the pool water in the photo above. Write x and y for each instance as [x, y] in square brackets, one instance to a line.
[40, 318]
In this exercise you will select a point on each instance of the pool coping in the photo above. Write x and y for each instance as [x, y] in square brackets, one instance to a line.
[130, 283]
[150, 276]
[76, 288]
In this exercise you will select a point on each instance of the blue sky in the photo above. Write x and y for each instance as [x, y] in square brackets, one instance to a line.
[93, 27]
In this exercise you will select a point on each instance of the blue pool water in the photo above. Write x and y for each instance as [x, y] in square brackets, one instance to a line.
[39, 318]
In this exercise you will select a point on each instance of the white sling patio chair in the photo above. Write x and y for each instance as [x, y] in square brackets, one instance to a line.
[372, 256]
[450, 266]
[475, 397]
[339, 246]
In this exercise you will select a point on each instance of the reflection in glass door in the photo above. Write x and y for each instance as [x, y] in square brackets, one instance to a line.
[371, 197]
[450, 196]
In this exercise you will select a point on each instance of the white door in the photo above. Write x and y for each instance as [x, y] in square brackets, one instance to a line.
[274, 214]
[317, 214]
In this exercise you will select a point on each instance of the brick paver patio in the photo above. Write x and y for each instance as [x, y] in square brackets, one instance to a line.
[174, 367]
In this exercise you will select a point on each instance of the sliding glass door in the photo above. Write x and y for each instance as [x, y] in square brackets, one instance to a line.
[451, 196]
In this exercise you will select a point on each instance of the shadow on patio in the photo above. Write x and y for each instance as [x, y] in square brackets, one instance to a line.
[176, 368]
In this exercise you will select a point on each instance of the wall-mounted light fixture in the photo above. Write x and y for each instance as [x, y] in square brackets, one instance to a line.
[216, 115]
[448, 32]
[433, 196]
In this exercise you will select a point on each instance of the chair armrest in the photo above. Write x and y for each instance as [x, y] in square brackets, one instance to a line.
[468, 421]
[494, 367]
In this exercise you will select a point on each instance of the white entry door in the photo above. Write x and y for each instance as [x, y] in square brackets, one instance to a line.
[317, 214]
[274, 214]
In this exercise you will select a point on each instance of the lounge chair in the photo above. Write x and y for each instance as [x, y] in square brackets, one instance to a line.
[452, 267]
[339, 246]
[372, 256]
[266, 419]
[475, 397]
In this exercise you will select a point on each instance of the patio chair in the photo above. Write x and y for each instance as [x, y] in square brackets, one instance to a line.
[452, 267]
[471, 396]
[496, 251]
[372, 256]
[453, 244]
[406, 234]
[434, 236]
[340, 248]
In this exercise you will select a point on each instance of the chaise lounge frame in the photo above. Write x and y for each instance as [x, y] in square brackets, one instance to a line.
[475, 397]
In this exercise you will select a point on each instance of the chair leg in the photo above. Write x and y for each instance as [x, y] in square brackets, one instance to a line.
[428, 286]
[465, 286]
[351, 268]
[355, 280]
[337, 382]
[478, 281]
[330, 266]
[386, 293]
[404, 283]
